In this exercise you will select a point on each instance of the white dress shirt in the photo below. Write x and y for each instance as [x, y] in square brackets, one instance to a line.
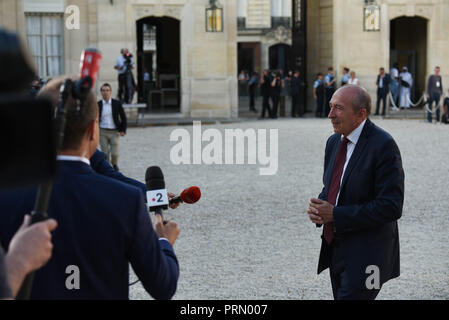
[353, 137]
[73, 158]
[106, 121]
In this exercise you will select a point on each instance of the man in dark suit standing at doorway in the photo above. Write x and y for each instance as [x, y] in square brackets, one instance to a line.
[361, 200]
[265, 88]
[383, 87]
[297, 110]
[112, 124]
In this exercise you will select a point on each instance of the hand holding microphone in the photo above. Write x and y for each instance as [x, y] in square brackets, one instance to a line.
[166, 229]
[157, 200]
[189, 195]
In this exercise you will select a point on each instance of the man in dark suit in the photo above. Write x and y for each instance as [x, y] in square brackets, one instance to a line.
[112, 124]
[361, 200]
[297, 110]
[103, 224]
[265, 88]
[383, 87]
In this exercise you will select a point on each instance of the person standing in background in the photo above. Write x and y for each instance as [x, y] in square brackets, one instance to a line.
[112, 124]
[265, 87]
[352, 79]
[297, 110]
[383, 86]
[252, 85]
[394, 82]
[319, 94]
[329, 84]
[276, 87]
[406, 81]
[345, 76]
[434, 92]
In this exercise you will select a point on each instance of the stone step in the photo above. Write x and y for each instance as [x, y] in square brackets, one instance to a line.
[412, 113]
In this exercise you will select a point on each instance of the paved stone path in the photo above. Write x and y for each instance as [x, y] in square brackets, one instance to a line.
[249, 236]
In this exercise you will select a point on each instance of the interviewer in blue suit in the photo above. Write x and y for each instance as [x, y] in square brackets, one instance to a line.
[361, 200]
[103, 224]
[100, 165]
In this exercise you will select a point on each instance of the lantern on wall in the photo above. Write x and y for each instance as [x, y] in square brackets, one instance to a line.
[371, 16]
[214, 17]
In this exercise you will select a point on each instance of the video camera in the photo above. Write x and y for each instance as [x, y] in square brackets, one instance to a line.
[128, 62]
[29, 155]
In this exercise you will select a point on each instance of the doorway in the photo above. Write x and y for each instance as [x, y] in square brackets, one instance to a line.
[248, 60]
[408, 47]
[280, 57]
[158, 64]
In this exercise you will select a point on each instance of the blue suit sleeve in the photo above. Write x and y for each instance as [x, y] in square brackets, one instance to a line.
[323, 193]
[153, 260]
[387, 202]
[100, 165]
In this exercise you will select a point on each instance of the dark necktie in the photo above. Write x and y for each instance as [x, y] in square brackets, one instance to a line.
[335, 186]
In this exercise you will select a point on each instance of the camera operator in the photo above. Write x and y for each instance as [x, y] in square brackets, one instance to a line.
[35, 86]
[124, 65]
[103, 223]
[30, 246]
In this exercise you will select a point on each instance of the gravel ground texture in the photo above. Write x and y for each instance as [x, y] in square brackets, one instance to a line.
[249, 236]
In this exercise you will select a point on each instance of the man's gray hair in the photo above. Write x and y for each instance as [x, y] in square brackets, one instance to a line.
[362, 100]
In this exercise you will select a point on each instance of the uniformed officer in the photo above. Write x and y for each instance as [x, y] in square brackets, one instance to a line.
[329, 84]
[318, 94]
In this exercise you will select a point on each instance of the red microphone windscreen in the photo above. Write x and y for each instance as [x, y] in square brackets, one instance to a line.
[90, 64]
[191, 195]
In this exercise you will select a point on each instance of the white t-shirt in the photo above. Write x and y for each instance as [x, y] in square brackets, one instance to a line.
[353, 81]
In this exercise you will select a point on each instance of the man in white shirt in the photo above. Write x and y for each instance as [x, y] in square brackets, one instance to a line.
[112, 124]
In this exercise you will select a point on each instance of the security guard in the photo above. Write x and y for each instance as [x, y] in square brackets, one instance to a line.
[329, 84]
[318, 94]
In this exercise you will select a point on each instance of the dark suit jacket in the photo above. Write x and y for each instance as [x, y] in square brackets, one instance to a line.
[370, 202]
[385, 84]
[103, 225]
[295, 86]
[99, 163]
[118, 114]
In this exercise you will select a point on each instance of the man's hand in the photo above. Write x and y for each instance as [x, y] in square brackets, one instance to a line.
[171, 196]
[169, 231]
[122, 134]
[30, 249]
[320, 211]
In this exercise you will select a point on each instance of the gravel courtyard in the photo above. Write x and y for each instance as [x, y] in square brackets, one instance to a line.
[249, 236]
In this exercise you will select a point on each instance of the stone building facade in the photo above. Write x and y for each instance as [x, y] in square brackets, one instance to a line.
[203, 70]
[410, 32]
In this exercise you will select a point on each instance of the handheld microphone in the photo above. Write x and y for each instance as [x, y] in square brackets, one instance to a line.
[189, 195]
[157, 198]
[89, 66]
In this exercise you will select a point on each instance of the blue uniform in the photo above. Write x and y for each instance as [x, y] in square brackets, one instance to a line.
[330, 89]
[318, 85]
